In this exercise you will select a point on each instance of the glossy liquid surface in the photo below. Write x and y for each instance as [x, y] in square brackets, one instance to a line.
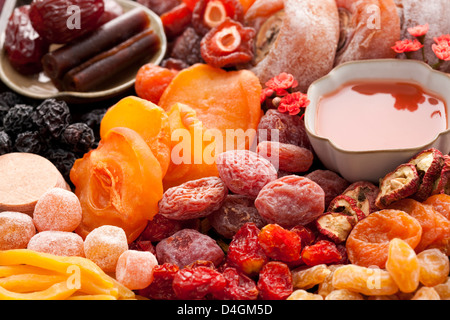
[380, 115]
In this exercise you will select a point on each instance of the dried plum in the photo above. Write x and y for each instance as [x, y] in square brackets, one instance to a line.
[18, 119]
[93, 119]
[29, 141]
[5, 143]
[79, 136]
[8, 100]
[63, 160]
[52, 117]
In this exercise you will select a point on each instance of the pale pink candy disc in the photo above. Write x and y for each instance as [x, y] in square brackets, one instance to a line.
[135, 269]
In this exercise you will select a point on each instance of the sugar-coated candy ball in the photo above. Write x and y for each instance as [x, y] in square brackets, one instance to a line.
[16, 230]
[60, 243]
[104, 245]
[57, 210]
[135, 269]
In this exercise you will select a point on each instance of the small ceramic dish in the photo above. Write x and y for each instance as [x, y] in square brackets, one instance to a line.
[371, 165]
[39, 86]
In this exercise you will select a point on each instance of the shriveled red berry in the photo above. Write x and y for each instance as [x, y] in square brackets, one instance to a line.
[275, 281]
[244, 252]
[208, 14]
[61, 21]
[238, 287]
[197, 283]
[279, 243]
[307, 236]
[23, 45]
[176, 20]
[228, 45]
[161, 227]
[161, 286]
[322, 252]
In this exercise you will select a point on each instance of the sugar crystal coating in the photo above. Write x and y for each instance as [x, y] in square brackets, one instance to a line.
[60, 243]
[104, 245]
[135, 269]
[57, 210]
[16, 230]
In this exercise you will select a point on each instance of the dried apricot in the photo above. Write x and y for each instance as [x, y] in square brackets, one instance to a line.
[301, 294]
[403, 265]
[434, 267]
[306, 278]
[147, 119]
[440, 203]
[367, 243]
[112, 183]
[426, 293]
[152, 80]
[343, 294]
[435, 227]
[443, 289]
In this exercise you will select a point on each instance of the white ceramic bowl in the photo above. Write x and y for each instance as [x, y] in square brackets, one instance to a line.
[373, 165]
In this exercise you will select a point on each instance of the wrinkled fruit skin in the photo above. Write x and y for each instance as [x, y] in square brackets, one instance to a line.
[275, 281]
[197, 283]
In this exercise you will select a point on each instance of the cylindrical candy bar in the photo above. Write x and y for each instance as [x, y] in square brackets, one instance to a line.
[60, 61]
[96, 70]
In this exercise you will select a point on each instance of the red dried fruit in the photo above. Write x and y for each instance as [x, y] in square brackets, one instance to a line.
[335, 225]
[238, 287]
[279, 243]
[365, 194]
[244, 252]
[190, 3]
[142, 245]
[348, 206]
[287, 157]
[193, 199]
[275, 281]
[23, 45]
[307, 236]
[428, 164]
[290, 201]
[161, 286]
[208, 14]
[61, 21]
[186, 47]
[176, 20]
[161, 227]
[331, 183]
[245, 172]
[399, 184]
[228, 45]
[159, 6]
[235, 211]
[201, 263]
[442, 183]
[197, 283]
[322, 252]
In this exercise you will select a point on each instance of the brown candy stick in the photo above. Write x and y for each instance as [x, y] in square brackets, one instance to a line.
[102, 67]
[112, 33]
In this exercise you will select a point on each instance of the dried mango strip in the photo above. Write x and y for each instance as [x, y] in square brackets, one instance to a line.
[92, 297]
[58, 291]
[28, 282]
[6, 271]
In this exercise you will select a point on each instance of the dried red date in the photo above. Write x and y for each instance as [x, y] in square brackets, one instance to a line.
[193, 199]
[197, 283]
[245, 172]
[275, 281]
[279, 243]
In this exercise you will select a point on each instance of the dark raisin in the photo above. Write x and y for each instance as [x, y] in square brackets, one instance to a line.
[52, 117]
[187, 47]
[79, 136]
[18, 119]
[29, 141]
[63, 160]
[8, 100]
[176, 64]
[93, 119]
[5, 143]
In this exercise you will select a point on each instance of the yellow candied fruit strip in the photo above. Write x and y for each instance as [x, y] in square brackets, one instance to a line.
[6, 271]
[58, 291]
[124, 292]
[87, 268]
[28, 282]
[92, 297]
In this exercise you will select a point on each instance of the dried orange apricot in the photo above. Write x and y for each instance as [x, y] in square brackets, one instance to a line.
[147, 119]
[434, 267]
[119, 183]
[440, 203]
[152, 80]
[435, 227]
[403, 265]
[368, 242]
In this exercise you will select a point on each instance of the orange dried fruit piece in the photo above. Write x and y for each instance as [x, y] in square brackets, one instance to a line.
[223, 100]
[440, 203]
[403, 265]
[435, 227]
[368, 242]
[147, 119]
[434, 267]
[119, 183]
[152, 80]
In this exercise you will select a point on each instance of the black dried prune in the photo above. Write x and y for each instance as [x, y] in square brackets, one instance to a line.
[29, 141]
[52, 117]
[18, 119]
[63, 160]
[5, 143]
[79, 136]
[93, 119]
[8, 100]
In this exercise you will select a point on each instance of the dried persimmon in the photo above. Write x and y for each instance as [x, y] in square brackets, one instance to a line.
[368, 242]
[119, 183]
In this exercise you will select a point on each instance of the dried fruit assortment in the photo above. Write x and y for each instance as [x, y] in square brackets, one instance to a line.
[258, 219]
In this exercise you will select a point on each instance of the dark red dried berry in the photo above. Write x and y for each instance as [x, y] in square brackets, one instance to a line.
[187, 47]
[197, 283]
[161, 286]
[275, 281]
[238, 287]
[279, 243]
[23, 45]
[176, 20]
[322, 252]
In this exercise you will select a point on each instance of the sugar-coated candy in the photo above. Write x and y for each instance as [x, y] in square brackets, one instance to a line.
[60, 243]
[134, 269]
[16, 230]
[104, 245]
[57, 210]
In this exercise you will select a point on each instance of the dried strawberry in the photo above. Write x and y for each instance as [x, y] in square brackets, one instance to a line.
[61, 21]
[227, 45]
[23, 45]
[208, 14]
[399, 184]
[365, 194]
[335, 225]
[322, 252]
[428, 165]
[348, 206]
